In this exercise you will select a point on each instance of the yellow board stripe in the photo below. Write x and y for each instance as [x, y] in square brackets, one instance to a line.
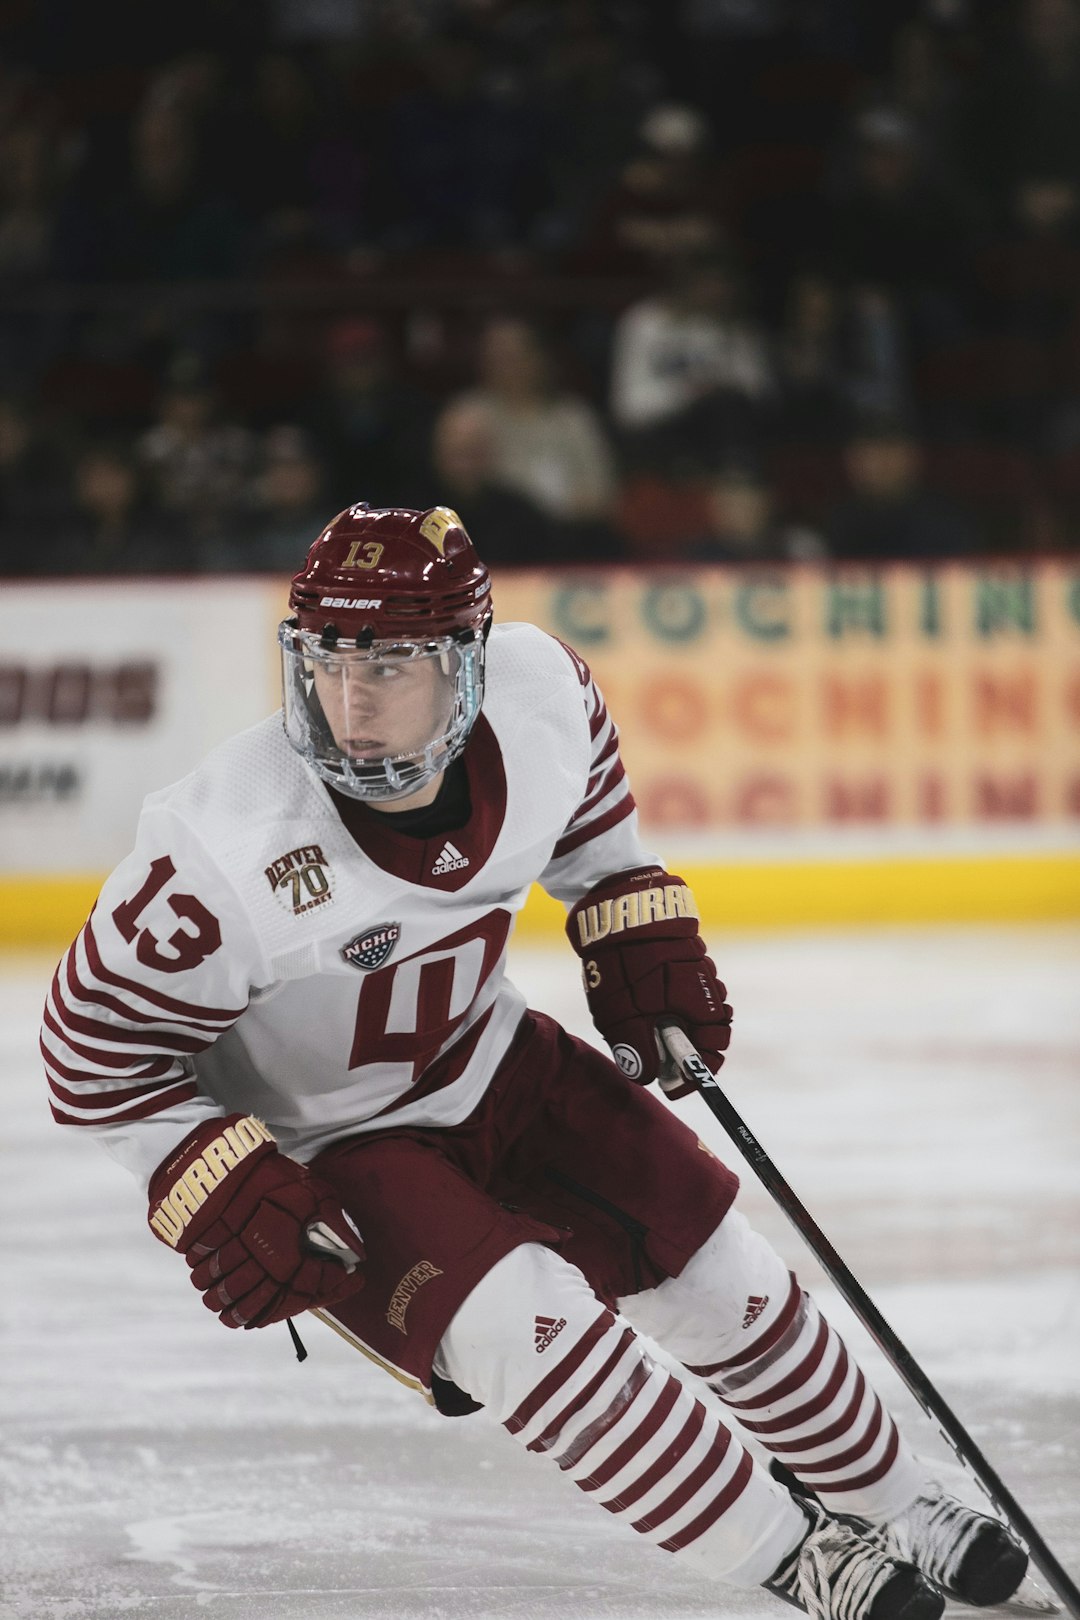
[1035, 886]
[782, 894]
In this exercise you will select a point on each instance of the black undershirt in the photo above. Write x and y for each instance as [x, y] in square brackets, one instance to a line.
[448, 811]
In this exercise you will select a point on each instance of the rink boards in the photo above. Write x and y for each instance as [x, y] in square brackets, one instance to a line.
[807, 746]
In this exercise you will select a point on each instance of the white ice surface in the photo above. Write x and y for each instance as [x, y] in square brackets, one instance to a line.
[920, 1089]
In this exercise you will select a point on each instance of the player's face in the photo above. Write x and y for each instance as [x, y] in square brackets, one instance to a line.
[379, 708]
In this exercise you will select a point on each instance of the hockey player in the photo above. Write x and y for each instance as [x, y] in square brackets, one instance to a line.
[288, 1015]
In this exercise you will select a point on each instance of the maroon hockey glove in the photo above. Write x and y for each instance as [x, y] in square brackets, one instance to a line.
[265, 1239]
[644, 962]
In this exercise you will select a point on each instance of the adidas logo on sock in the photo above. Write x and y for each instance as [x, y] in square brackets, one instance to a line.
[547, 1329]
[754, 1307]
[450, 860]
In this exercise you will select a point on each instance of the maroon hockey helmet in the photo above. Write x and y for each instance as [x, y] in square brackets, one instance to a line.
[383, 658]
[393, 574]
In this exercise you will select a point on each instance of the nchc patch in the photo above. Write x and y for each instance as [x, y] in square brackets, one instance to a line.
[370, 950]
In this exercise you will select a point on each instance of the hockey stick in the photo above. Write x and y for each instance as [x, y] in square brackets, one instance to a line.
[694, 1071]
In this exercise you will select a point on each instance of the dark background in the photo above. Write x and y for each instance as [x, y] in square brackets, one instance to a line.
[722, 279]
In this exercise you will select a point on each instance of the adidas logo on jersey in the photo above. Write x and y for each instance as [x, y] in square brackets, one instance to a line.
[450, 860]
[546, 1330]
[754, 1307]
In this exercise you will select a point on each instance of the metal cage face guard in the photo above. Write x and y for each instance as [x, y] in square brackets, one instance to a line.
[380, 721]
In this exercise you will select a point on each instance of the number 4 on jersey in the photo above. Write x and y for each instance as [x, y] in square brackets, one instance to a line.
[407, 1012]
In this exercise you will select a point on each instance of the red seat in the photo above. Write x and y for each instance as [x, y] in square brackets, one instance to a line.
[808, 479]
[982, 474]
[657, 515]
[984, 371]
[96, 388]
[261, 384]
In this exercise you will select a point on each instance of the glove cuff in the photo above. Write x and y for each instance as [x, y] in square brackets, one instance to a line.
[182, 1184]
[649, 899]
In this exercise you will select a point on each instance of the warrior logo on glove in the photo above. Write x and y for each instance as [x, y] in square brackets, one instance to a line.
[264, 1237]
[644, 961]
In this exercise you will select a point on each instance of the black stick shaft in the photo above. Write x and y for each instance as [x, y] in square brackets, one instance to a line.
[697, 1073]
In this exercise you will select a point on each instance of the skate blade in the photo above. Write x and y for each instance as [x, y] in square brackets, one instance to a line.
[1028, 1599]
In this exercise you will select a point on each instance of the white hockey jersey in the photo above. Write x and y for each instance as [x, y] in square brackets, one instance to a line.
[254, 954]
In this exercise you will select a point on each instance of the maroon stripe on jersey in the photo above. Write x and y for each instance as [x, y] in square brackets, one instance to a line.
[794, 1380]
[599, 720]
[691, 1484]
[582, 835]
[578, 662]
[96, 1054]
[594, 1431]
[110, 1060]
[146, 1071]
[558, 1376]
[731, 1493]
[812, 1408]
[143, 1110]
[186, 1011]
[653, 1420]
[110, 1099]
[98, 998]
[96, 1028]
[763, 1344]
[445, 1070]
[669, 1457]
[553, 1433]
[856, 1450]
[809, 1442]
[614, 776]
[606, 754]
[872, 1475]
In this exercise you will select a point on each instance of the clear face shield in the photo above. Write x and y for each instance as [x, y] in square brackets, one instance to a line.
[379, 722]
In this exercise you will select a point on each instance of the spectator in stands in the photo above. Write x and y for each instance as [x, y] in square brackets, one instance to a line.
[112, 526]
[31, 487]
[200, 467]
[506, 526]
[550, 445]
[288, 509]
[888, 512]
[667, 203]
[743, 525]
[27, 202]
[462, 153]
[1025, 123]
[927, 91]
[164, 220]
[372, 428]
[692, 378]
[595, 88]
[896, 224]
[835, 356]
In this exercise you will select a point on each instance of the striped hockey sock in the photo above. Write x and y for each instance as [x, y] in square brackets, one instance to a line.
[798, 1390]
[629, 1434]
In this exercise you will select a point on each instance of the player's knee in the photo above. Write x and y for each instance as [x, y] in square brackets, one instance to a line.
[721, 1302]
[519, 1320]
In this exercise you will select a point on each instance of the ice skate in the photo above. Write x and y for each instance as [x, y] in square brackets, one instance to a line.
[837, 1574]
[970, 1556]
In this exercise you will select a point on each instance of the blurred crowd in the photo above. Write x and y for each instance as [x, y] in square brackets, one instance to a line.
[733, 280]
